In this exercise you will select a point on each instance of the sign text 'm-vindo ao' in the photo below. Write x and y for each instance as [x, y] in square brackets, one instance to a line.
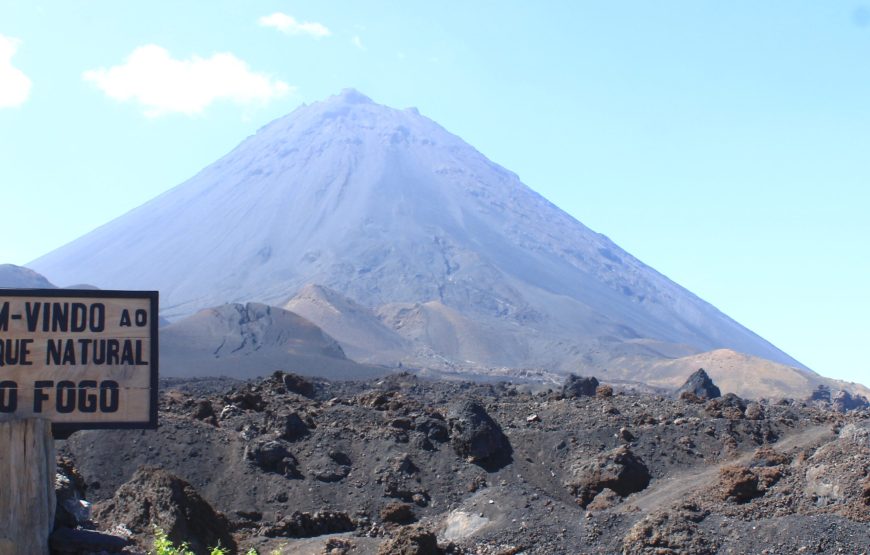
[83, 359]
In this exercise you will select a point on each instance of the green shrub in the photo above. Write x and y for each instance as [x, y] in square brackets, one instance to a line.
[163, 546]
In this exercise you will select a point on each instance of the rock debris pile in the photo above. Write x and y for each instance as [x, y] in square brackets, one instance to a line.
[402, 465]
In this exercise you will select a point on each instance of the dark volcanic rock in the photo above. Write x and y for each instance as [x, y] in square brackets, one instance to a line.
[246, 400]
[68, 540]
[730, 406]
[306, 525]
[330, 467]
[398, 513]
[619, 470]
[805, 467]
[272, 456]
[156, 498]
[435, 430]
[411, 540]
[203, 410]
[475, 436]
[821, 393]
[298, 384]
[290, 426]
[69, 489]
[700, 385]
[579, 386]
[843, 401]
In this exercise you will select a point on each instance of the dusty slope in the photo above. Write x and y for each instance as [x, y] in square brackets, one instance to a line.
[245, 341]
[362, 336]
[384, 206]
[745, 375]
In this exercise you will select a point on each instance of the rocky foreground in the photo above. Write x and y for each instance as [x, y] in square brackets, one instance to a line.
[408, 466]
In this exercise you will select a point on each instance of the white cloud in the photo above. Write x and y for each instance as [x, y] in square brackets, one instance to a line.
[162, 84]
[14, 84]
[358, 42]
[288, 25]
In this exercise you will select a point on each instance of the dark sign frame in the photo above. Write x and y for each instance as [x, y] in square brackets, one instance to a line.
[62, 430]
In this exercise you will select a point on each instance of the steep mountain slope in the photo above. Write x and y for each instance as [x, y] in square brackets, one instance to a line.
[244, 341]
[385, 207]
[14, 277]
[362, 335]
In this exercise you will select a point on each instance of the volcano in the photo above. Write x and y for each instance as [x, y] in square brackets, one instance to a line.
[385, 229]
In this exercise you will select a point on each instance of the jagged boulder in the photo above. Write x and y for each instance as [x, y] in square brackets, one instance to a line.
[700, 385]
[843, 401]
[398, 513]
[246, 400]
[297, 384]
[730, 406]
[290, 426]
[156, 498]
[619, 470]
[204, 410]
[411, 540]
[474, 435]
[272, 456]
[821, 393]
[579, 386]
[434, 428]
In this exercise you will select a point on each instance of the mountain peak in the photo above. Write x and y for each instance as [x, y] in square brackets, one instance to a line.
[390, 210]
[351, 96]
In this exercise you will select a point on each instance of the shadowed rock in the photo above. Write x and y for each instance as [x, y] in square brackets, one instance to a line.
[579, 386]
[398, 513]
[154, 497]
[68, 540]
[475, 436]
[619, 470]
[700, 385]
[290, 426]
[411, 540]
[297, 384]
[272, 456]
[843, 401]
[821, 393]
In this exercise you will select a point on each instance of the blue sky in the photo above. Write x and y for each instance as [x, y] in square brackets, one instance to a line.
[725, 144]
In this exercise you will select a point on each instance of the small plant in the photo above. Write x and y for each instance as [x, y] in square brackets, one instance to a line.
[164, 546]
